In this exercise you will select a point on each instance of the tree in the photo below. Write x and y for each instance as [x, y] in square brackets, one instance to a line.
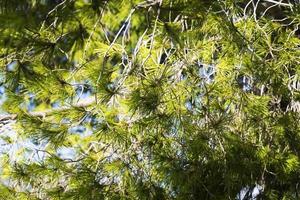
[155, 99]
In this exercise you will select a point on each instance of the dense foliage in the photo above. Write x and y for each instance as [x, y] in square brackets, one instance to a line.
[155, 99]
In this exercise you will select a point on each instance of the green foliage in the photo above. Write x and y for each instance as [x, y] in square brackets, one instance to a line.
[167, 99]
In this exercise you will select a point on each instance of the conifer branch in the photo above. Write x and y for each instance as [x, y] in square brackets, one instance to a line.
[82, 103]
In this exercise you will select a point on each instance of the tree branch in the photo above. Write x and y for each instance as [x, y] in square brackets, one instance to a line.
[81, 103]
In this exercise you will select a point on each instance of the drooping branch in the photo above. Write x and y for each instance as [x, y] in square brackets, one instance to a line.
[81, 103]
